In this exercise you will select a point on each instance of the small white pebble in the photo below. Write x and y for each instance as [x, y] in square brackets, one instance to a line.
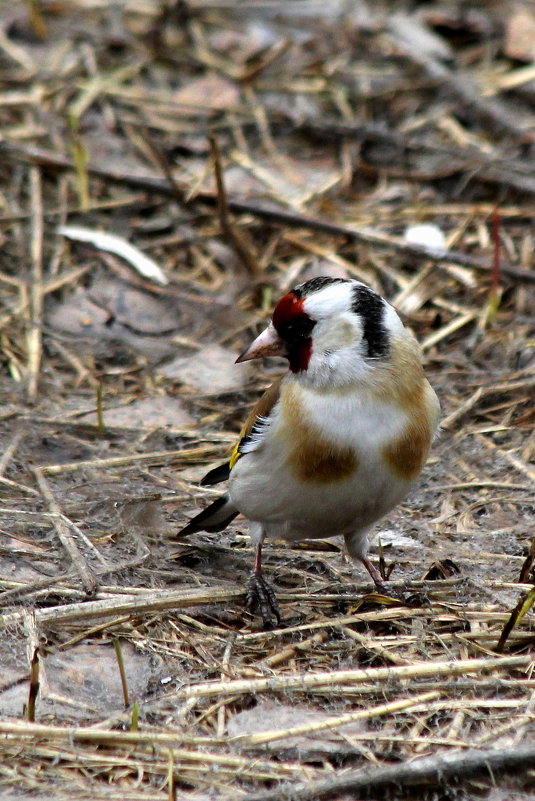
[429, 236]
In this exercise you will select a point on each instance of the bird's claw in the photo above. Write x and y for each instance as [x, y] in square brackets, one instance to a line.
[260, 595]
[382, 587]
[413, 599]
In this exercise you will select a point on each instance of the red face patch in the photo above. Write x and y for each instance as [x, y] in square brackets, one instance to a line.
[287, 309]
[294, 326]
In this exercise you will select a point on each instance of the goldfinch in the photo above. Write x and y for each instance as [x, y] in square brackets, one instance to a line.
[337, 441]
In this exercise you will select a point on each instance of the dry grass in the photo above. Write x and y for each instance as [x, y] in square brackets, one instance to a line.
[242, 150]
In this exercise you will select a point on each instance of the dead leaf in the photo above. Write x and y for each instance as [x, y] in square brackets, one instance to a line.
[520, 34]
[145, 413]
[212, 92]
[211, 370]
[269, 716]
[441, 569]
[142, 517]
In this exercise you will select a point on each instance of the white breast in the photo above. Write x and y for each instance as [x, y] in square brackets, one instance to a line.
[358, 419]
[265, 488]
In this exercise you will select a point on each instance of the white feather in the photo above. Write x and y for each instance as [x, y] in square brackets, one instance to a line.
[256, 435]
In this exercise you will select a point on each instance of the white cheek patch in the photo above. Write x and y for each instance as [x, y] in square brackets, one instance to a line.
[335, 335]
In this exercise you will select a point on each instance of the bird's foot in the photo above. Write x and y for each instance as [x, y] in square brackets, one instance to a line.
[260, 596]
[400, 594]
[383, 588]
[381, 584]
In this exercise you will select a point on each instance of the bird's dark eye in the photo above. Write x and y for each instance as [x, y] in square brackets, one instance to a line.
[298, 328]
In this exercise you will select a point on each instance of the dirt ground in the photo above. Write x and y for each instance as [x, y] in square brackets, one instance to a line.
[240, 148]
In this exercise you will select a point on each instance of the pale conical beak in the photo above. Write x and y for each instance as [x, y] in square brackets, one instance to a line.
[268, 343]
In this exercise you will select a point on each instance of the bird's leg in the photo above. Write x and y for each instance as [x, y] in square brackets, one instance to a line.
[376, 576]
[260, 595]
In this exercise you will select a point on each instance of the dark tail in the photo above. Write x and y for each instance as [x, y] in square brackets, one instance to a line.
[215, 517]
[215, 476]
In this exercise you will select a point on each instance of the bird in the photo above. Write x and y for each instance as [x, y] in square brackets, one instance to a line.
[336, 442]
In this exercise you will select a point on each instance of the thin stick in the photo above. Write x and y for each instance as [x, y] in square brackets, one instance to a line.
[222, 712]
[38, 731]
[101, 428]
[128, 604]
[446, 330]
[14, 594]
[464, 408]
[33, 336]
[34, 686]
[370, 645]
[122, 672]
[171, 795]
[435, 770]
[15, 485]
[337, 720]
[66, 538]
[236, 237]
[157, 457]
[297, 648]
[309, 681]
[10, 450]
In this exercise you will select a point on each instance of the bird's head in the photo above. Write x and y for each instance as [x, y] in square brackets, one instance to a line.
[333, 331]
